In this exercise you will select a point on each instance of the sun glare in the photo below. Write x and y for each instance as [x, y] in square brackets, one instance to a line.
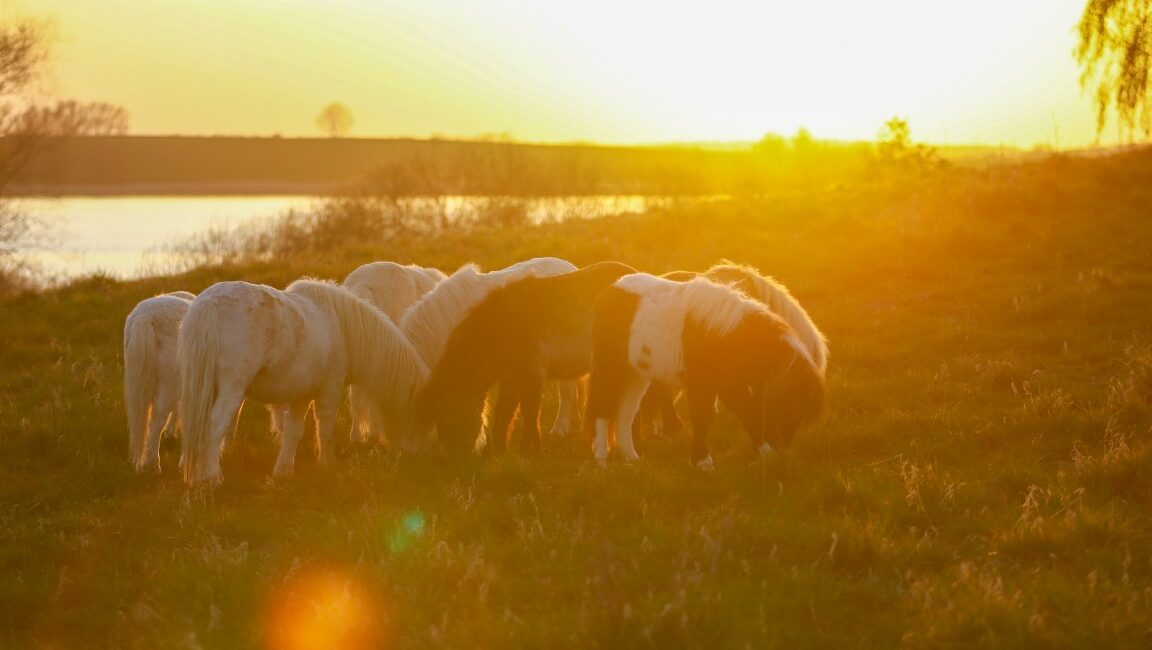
[600, 70]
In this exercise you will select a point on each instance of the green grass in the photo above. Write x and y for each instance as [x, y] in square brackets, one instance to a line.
[982, 477]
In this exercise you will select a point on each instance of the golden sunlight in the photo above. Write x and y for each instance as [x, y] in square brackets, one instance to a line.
[603, 70]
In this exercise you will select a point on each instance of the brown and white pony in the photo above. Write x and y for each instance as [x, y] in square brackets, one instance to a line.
[715, 342]
[393, 289]
[762, 288]
[522, 334]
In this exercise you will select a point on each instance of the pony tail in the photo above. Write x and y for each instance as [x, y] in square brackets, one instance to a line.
[140, 376]
[198, 345]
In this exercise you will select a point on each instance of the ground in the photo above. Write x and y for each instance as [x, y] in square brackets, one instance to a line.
[982, 476]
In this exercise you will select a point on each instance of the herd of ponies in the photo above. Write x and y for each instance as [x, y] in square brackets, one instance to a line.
[417, 352]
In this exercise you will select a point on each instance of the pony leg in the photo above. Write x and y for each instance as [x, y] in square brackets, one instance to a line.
[366, 418]
[163, 417]
[600, 445]
[223, 420]
[629, 404]
[701, 407]
[326, 408]
[670, 419]
[504, 417]
[276, 417]
[530, 408]
[750, 412]
[137, 430]
[566, 414]
[292, 431]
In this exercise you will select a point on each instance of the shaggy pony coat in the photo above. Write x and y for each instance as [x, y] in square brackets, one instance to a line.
[289, 347]
[152, 374]
[430, 322]
[393, 289]
[764, 289]
[520, 335]
[713, 341]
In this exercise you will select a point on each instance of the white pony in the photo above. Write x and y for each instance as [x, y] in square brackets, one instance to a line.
[392, 288]
[151, 373]
[289, 347]
[430, 322]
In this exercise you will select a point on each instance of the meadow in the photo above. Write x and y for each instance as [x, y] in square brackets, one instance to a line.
[983, 475]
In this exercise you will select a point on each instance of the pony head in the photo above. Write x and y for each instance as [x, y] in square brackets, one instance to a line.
[782, 389]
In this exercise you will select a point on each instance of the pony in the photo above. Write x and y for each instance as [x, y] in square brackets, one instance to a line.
[393, 289]
[528, 331]
[151, 374]
[715, 342]
[291, 347]
[430, 322]
[759, 287]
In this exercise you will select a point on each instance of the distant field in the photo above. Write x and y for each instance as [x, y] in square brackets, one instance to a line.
[189, 166]
[983, 476]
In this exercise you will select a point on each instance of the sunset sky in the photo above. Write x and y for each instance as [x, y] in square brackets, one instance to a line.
[619, 71]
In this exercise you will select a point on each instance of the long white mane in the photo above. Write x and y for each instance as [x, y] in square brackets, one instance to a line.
[374, 343]
[777, 297]
[430, 322]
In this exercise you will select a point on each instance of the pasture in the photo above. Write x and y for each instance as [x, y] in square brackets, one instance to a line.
[983, 475]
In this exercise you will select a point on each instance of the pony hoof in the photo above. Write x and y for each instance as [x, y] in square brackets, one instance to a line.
[705, 465]
[631, 456]
[602, 463]
[559, 432]
[148, 469]
[765, 450]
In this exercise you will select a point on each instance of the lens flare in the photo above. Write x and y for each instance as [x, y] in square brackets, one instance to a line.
[324, 608]
[407, 531]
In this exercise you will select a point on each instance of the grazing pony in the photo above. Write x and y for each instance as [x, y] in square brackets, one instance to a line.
[288, 347]
[151, 373]
[392, 288]
[430, 322]
[519, 336]
[764, 289]
[712, 340]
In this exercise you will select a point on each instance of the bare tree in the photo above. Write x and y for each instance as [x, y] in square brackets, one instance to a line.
[1115, 50]
[25, 49]
[335, 120]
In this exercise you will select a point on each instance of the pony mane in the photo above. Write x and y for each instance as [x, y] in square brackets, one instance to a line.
[774, 294]
[430, 321]
[378, 352]
[718, 307]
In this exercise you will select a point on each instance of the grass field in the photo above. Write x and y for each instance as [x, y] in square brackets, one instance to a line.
[983, 475]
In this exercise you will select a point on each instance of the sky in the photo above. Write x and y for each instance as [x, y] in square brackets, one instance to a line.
[998, 72]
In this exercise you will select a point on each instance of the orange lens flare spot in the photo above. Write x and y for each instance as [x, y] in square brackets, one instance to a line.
[324, 608]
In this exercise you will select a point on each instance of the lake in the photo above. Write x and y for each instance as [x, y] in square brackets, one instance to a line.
[124, 236]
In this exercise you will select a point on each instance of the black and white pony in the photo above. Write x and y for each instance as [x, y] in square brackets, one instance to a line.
[715, 342]
[520, 335]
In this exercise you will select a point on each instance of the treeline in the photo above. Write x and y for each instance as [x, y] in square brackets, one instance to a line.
[228, 165]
